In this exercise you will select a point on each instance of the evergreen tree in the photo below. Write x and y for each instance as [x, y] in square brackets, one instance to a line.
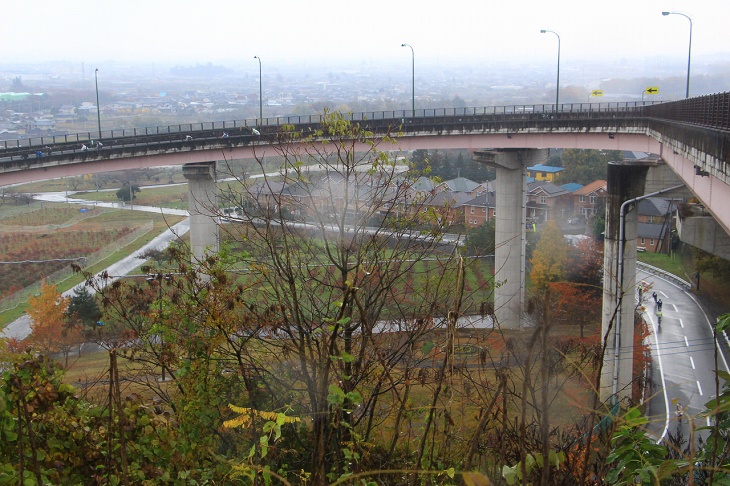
[480, 240]
[83, 307]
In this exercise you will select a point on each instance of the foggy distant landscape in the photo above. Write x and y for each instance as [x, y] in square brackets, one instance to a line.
[61, 96]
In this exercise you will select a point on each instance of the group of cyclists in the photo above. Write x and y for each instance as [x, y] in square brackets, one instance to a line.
[657, 301]
[679, 411]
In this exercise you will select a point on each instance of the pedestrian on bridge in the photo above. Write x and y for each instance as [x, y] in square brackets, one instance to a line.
[654, 296]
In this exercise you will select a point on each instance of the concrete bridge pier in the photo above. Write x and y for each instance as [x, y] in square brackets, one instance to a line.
[203, 208]
[509, 255]
[620, 291]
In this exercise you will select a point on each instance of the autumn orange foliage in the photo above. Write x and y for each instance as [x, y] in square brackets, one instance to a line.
[642, 358]
[47, 312]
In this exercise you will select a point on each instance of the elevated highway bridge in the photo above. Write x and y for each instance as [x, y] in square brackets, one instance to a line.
[692, 136]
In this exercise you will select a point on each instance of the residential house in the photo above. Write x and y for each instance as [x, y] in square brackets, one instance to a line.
[571, 186]
[420, 185]
[652, 237]
[486, 186]
[655, 210]
[448, 205]
[548, 201]
[588, 200]
[655, 224]
[459, 184]
[480, 209]
[542, 172]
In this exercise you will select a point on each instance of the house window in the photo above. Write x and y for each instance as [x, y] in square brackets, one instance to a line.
[484, 210]
[472, 210]
[544, 175]
[651, 242]
[543, 199]
[642, 240]
[581, 198]
[593, 199]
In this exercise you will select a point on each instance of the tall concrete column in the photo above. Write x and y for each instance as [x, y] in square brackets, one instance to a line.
[625, 182]
[509, 254]
[203, 208]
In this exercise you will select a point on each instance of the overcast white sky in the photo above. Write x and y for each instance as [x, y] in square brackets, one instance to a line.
[319, 31]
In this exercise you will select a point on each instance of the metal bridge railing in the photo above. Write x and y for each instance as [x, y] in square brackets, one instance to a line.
[710, 111]
[511, 112]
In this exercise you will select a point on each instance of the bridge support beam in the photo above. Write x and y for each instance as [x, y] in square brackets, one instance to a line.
[509, 254]
[203, 208]
[625, 182]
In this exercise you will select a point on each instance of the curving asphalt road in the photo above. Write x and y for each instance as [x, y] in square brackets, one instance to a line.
[684, 359]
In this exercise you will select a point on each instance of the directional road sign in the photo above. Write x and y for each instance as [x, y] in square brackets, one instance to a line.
[597, 92]
[652, 90]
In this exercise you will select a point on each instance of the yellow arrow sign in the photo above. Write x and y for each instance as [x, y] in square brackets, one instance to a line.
[597, 92]
[652, 90]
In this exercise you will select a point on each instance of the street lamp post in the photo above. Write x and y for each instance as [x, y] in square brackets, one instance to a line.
[261, 94]
[98, 110]
[413, 79]
[557, 87]
[689, 52]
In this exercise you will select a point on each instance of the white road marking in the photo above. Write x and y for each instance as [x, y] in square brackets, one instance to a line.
[699, 387]
[712, 328]
[686, 342]
[681, 324]
[664, 381]
[692, 362]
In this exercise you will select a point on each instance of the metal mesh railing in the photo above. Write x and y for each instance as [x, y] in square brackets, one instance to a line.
[22, 147]
[711, 111]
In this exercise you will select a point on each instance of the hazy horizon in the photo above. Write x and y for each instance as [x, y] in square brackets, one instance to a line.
[322, 32]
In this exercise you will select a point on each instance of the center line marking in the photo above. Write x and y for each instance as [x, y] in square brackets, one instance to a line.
[681, 323]
[692, 362]
[686, 341]
[699, 387]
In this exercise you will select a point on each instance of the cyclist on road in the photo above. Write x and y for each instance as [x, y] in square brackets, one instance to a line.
[679, 413]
